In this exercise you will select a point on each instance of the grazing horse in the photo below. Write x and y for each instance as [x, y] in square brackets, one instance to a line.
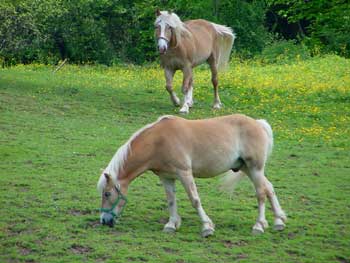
[185, 45]
[176, 148]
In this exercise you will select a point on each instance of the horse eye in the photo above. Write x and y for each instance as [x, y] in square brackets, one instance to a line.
[107, 194]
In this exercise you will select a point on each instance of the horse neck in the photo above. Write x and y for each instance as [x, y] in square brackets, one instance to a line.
[132, 168]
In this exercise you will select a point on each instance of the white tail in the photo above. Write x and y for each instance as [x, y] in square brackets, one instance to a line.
[269, 132]
[229, 181]
[226, 39]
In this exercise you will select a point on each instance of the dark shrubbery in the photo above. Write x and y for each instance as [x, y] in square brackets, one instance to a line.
[111, 31]
[115, 31]
[284, 51]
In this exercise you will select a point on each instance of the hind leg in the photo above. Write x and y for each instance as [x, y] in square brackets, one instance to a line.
[212, 61]
[265, 189]
[261, 222]
[280, 216]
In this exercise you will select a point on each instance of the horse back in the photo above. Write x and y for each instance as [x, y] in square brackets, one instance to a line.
[202, 40]
[208, 147]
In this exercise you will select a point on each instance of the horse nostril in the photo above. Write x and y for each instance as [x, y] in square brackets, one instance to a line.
[107, 219]
[162, 50]
[110, 223]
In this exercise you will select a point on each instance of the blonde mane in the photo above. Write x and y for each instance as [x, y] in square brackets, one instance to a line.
[174, 22]
[119, 158]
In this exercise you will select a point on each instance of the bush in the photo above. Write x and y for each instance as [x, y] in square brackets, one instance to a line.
[284, 51]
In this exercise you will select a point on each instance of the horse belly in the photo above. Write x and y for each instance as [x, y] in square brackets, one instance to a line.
[211, 164]
[173, 62]
[200, 58]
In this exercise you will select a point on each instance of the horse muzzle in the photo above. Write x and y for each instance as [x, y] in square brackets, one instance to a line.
[162, 45]
[107, 219]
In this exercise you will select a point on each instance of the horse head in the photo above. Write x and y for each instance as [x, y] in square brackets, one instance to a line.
[113, 201]
[164, 30]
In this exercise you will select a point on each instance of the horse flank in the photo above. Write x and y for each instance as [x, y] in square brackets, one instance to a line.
[119, 158]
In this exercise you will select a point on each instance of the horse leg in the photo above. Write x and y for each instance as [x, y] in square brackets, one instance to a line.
[187, 181]
[174, 219]
[190, 101]
[265, 188]
[258, 179]
[187, 89]
[280, 216]
[215, 81]
[169, 75]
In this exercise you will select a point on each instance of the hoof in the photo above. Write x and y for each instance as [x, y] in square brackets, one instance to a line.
[176, 101]
[279, 224]
[279, 227]
[184, 109]
[217, 106]
[207, 232]
[169, 230]
[258, 230]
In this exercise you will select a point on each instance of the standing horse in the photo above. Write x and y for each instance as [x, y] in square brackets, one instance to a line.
[183, 46]
[176, 148]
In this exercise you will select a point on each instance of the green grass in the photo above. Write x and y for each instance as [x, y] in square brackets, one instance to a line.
[58, 130]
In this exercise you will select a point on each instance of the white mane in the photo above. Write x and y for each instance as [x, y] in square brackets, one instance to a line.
[119, 158]
[174, 22]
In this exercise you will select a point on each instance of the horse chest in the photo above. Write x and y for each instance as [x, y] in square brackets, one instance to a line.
[173, 62]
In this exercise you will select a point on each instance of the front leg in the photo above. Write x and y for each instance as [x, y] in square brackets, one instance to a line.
[187, 180]
[169, 75]
[187, 89]
[174, 222]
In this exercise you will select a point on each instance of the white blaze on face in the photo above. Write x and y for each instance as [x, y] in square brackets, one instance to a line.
[162, 43]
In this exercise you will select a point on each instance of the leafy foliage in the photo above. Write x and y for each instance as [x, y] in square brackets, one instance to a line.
[284, 52]
[329, 21]
[115, 31]
[111, 31]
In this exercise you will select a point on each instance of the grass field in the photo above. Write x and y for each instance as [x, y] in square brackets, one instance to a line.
[58, 130]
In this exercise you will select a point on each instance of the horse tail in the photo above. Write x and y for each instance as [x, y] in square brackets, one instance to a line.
[267, 128]
[226, 39]
[229, 181]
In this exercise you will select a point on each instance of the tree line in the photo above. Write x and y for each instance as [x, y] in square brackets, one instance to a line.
[121, 31]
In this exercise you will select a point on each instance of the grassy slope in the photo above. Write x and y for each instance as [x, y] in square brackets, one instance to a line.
[58, 130]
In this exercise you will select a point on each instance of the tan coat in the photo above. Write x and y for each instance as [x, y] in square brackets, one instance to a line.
[176, 148]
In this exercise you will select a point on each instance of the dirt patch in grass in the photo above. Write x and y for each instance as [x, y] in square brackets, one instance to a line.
[137, 259]
[78, 249]
[241, 256]
[231, 244]
[170, 250]
[93, 224]
[342, 259]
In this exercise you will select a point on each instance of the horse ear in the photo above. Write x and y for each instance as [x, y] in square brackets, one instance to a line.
[158, 12]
